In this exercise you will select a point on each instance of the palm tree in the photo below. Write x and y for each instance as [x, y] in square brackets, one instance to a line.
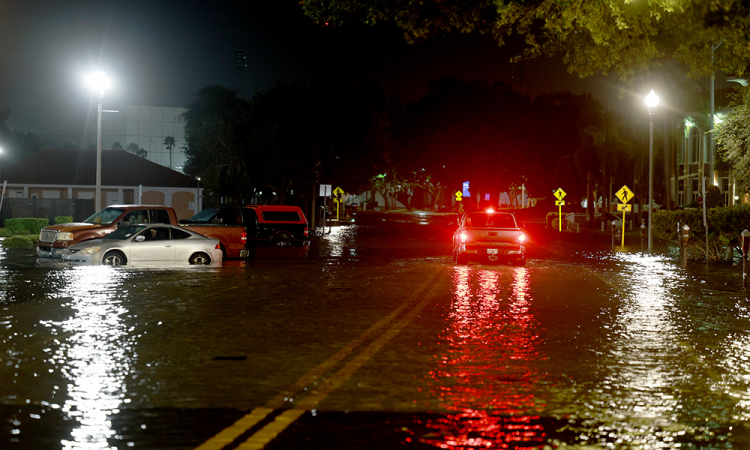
[169, 143]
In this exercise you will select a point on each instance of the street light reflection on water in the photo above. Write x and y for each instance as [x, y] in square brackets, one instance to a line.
[99, 352]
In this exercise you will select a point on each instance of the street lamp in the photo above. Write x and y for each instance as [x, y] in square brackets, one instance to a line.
[99, 82]
[198, 196]
[652, 100]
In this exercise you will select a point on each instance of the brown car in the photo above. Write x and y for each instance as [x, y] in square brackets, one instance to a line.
[54, 239]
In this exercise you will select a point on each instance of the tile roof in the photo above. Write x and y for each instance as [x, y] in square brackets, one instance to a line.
[78, 168]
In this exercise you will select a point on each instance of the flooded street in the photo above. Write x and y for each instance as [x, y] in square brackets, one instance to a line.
[373, 338]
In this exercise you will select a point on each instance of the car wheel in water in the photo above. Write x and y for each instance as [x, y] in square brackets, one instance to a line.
[200, 258]
[114, 258]
[282, 241]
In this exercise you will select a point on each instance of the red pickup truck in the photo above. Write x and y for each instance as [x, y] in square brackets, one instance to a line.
[227, 224]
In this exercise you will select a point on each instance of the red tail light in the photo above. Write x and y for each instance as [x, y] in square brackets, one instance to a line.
[464, 236]
[307, 232]
[244, 236]
[521, 238]
[218, 247]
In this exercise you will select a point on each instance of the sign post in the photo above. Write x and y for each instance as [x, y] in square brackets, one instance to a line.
[625, 195]
[560, 194]
[325, 192]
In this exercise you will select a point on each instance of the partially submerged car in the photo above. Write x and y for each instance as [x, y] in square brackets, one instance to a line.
[54, 239]
[146, 243]
[489, 235]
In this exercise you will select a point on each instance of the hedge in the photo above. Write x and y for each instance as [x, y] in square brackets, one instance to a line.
[725, 224]
[20, 241]
[29, 225]
[63, 219]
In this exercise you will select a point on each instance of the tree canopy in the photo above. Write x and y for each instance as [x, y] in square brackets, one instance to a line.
[592, 36]
[733, 139]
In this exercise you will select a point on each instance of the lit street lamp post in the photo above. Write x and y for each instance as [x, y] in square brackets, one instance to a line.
[651, 101]
[99, 82]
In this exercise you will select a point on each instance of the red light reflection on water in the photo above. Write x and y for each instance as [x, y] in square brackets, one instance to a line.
[487, 372]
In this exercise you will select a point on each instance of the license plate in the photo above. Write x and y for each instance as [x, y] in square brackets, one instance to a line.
[492, 251]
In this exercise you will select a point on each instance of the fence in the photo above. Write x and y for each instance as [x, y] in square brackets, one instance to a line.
[14, 208]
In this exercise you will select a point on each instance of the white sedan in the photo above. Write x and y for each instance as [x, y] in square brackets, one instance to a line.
[146, 243]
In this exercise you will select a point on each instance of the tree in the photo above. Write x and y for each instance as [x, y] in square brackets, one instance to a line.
[216, 131]
[595, 36]
[733, 139]
[117, 146]
[16, 144]
[133, 148]
[169, 143]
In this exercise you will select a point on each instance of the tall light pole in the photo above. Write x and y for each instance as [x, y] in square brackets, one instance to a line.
[99, 82]
[651, 101]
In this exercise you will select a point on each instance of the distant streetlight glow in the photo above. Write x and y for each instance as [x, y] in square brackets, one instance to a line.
[99, 82]
[652, 100]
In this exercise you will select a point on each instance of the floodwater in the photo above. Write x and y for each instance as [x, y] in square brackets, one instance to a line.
[585, 347]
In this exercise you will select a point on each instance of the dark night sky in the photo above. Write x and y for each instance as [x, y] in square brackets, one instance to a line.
[160, 53]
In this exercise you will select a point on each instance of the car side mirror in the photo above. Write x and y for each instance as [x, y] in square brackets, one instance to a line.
[140, 238]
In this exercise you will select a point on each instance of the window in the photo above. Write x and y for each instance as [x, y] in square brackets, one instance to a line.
[681, 186]
[226, 216]
[157, 234]
[695, 145]
[696, 186]
[179, 234]
[160, 216]
[136, 216]
[281, 216]
[724, 184]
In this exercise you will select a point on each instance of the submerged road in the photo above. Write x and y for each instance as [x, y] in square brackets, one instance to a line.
[372, 338]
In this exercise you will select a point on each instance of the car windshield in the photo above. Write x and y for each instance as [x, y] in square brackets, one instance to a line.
[205, 215]
[125, 232]
[490, 220]
[105, 216]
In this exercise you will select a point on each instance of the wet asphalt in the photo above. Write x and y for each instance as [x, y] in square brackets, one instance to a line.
[372, 338]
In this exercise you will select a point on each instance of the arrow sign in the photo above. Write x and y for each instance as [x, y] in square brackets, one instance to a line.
[624, 207]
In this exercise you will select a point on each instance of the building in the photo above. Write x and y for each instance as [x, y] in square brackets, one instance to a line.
[696, 157]
[147, 127]
[144, 126]
[125, 179]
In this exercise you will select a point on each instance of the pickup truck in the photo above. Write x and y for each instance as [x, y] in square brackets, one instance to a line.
[241, 227]
[278, 225]
[54, 239]
[489, 235]
[225, 223]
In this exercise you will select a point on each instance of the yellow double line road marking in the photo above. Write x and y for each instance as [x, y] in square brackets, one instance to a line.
[259, 439]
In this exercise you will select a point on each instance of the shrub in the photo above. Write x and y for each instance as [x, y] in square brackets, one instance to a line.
[4, 232]
[29, 225]
[20, 241]
[63, 219]
[724, 227]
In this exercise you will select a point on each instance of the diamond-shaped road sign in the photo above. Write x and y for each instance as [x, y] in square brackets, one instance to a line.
[560, 194]
[625, 194]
